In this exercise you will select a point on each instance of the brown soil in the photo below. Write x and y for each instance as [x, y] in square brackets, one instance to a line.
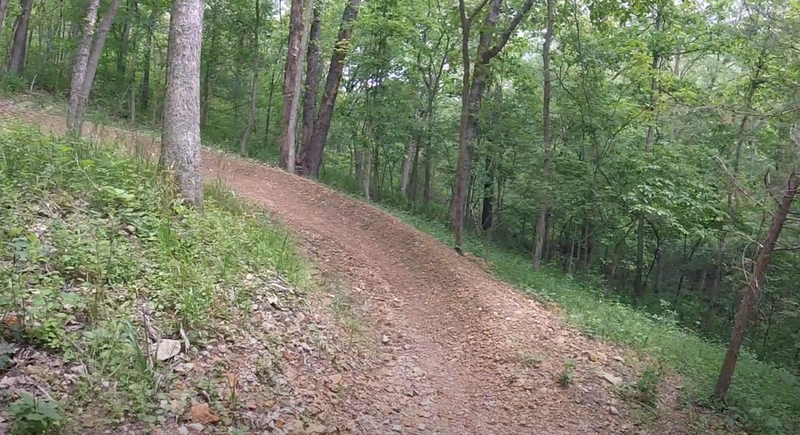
[459, 351]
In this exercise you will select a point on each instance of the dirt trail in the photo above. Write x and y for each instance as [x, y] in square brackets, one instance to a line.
[466, 354]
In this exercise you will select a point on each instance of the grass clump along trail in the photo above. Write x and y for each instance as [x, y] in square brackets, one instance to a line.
[109, 284]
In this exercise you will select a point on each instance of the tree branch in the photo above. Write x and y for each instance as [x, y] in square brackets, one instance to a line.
[492, 52]
[475, 12]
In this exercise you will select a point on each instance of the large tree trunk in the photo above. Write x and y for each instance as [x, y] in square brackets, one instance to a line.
[472, 95]
[753, 292]
[311, 157]
[541, 222]
[77, 106]
[251, 120]
[15, 63]
[291, 82]
[79, 67]
[312, 77]
[180, 142]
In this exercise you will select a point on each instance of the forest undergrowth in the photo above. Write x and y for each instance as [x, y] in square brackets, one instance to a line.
[124, 309]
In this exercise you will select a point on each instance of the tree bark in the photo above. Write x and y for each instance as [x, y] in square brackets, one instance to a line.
[311, 158]
[754, 288]
[180, 142]
[471, 98]
[312, 77]
[15, 63]
[268, 121]
[79, 67]
[291, 82]
[541, 222]
[77, 106]
[151, 25]
[487, 210]
[3, 5]
[251, 120]
[405, 171]
[132, 86]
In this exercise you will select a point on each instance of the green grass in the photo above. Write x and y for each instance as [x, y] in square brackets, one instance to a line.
[89, 236]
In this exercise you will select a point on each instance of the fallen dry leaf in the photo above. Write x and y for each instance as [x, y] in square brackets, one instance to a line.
[167, 349]
[202, 414]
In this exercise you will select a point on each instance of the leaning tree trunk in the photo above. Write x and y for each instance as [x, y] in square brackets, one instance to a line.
[15, 64]
[77, 111]
[180, 142]
[311, 157]
[291, 85]
[79, 68]
[754, 288]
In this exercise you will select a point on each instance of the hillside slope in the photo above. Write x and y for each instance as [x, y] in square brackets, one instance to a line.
[457, 352]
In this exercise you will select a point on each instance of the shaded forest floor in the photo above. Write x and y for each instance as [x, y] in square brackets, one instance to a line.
[435, 345]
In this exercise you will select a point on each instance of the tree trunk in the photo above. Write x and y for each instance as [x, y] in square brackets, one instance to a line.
[79, 68]
[732, 195]
[3, 5]
[754, 289]
[124, 46]
[312, 77]
[291, 82]
[405, 172]
[472, 95]
[145, 97]
[311, 158]
[661, 265]
[132, 86]
[15, 63]
[541, 222]
[77, 105]
[414, 182]
[487, 210]
[251, 120]
[639, 284]
[180, 142]
[268, 121]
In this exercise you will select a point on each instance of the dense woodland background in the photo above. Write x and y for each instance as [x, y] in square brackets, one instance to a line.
[651, 157]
